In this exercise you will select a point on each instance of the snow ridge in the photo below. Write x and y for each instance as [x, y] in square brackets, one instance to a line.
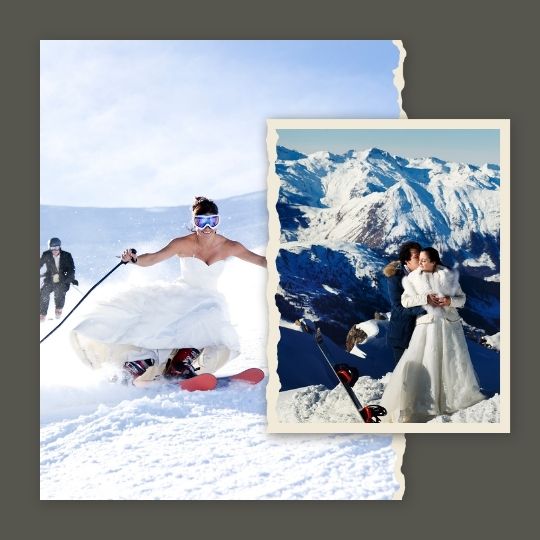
[376, 199]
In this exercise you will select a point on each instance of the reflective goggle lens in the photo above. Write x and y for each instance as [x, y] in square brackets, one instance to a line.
[206, 221]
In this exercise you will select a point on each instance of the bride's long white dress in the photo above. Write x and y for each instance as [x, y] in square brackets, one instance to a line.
[150, 321]
[435, 375]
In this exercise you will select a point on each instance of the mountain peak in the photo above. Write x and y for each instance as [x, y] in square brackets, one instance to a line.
[287, 154]
[376, 153]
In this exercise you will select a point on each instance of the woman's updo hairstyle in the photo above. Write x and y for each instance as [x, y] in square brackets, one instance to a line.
[433, 255]
[202, 206]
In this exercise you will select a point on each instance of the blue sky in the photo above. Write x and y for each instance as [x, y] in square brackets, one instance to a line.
[473, 146]
[154, 123]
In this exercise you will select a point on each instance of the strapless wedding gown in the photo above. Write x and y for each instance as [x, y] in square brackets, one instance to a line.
[149, 321]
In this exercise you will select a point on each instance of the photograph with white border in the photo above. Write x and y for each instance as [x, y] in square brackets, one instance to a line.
[388, 263]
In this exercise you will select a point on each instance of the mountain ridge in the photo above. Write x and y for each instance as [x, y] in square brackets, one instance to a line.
[344, 216]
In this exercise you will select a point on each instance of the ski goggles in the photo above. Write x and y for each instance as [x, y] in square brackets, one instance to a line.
[206, 221]
[55, 248]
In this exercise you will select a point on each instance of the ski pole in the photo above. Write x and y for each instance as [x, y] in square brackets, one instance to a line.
[368, 413]
[77, 289]
[133, 251]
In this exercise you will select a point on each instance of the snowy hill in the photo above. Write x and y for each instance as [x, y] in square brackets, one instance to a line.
[104, 441]
[349, 213]
[310, 395]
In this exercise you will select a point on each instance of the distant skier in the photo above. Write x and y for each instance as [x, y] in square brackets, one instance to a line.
[58, 276]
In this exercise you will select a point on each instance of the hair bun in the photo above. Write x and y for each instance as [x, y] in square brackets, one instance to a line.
[203, 205]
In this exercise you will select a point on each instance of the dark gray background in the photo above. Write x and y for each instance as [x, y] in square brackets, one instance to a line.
[464, 60]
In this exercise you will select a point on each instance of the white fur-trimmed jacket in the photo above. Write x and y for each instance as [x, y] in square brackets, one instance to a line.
[444, 282]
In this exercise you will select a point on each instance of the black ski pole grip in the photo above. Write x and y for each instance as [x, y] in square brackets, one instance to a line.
[133, 252]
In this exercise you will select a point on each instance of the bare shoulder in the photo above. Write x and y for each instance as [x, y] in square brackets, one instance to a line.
[187, 239]
[182, 243]
[232, 247]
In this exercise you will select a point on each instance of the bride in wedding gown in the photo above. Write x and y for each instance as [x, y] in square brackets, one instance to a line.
[162, 329]
[435, 375]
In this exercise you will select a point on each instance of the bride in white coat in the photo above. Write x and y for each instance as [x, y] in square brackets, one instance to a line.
[435, 375]
[159, 329]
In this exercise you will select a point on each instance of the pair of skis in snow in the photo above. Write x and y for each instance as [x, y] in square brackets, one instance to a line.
[207, 381]
[344, 374]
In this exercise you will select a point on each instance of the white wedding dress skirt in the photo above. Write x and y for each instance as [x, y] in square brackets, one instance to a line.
[149, 321]
[434, 376]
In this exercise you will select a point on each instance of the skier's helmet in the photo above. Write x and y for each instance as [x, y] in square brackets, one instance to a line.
[54, 242]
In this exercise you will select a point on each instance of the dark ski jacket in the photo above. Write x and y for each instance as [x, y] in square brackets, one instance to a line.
[402, 319]
[66, 270]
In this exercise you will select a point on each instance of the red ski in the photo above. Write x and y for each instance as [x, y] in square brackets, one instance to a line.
[207, 381]
[203, 382]
[252, 376]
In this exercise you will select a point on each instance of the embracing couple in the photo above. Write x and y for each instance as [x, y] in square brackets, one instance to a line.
[434, 374]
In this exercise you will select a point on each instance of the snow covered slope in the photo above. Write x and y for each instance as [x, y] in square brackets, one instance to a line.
[309, 395]
[104, 441]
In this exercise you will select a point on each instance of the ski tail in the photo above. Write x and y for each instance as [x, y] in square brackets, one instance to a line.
[203, 382]
[371, 413]
[207, 381]
[250, 375]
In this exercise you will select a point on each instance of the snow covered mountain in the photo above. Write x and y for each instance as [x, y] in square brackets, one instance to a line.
[350, 212]
[376, 199]
[335, 283]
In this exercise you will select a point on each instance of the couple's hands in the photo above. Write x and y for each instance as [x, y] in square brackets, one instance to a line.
[444, 301]
[129, 255]
[438, 301]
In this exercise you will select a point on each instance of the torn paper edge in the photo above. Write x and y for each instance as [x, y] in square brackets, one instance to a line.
[272, 389]
[399, 80]
[398, 441]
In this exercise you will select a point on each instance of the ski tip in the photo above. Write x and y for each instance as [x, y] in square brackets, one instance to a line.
[251, 376]
[203, 382]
